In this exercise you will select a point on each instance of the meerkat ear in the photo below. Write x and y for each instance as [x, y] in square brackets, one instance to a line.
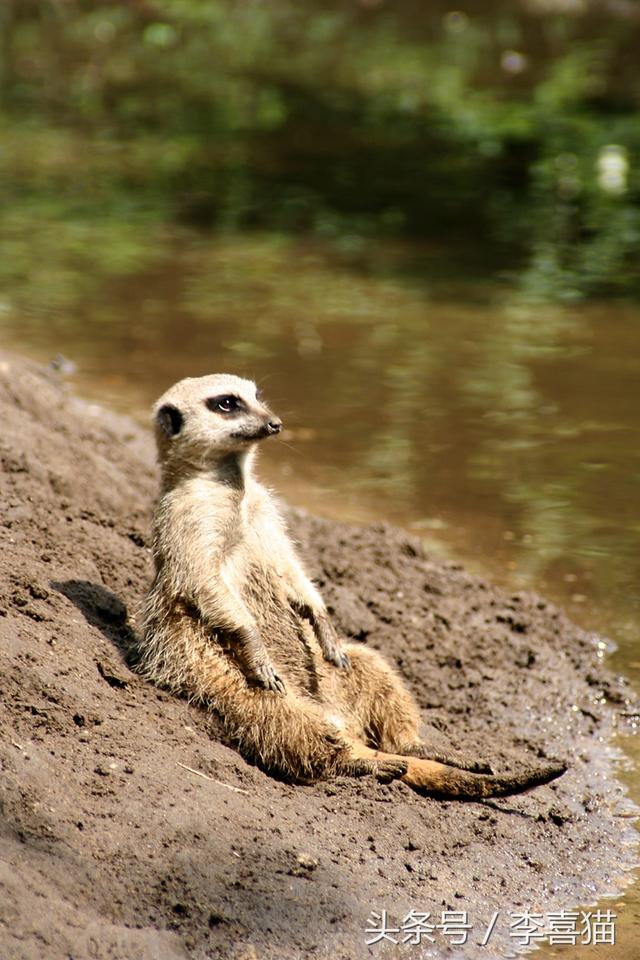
[169, 420]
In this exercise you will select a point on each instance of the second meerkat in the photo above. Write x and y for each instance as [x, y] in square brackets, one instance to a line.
[233, 622]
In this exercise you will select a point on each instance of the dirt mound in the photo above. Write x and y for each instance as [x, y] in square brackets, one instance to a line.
[129, 832]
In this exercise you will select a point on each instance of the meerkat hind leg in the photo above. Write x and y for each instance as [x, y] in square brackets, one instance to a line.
[435, 779]
[421, 749]
[389, 715]
[391, 720]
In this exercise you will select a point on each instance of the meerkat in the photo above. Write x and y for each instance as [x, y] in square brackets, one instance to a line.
[233, 622]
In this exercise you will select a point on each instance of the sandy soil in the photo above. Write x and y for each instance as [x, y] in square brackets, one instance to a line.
[111, 848]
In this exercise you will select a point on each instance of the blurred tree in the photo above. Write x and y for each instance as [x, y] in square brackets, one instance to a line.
[485, 126]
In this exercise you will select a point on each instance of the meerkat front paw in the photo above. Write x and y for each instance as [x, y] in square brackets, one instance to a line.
[338, 658]
[332, 649]
[266, 676]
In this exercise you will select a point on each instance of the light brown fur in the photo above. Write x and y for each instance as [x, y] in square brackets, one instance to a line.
[233, 622]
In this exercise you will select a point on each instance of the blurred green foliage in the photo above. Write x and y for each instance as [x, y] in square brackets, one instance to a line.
[503, 126]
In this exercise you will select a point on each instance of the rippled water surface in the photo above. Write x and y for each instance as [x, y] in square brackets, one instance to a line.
[502, 431]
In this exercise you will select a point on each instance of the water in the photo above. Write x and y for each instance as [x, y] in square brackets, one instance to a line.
[502, 431]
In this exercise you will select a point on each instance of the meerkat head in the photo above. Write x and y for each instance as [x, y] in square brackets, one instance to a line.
[203, 420]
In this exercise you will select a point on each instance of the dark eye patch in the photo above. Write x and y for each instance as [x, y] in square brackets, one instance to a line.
[225, 404]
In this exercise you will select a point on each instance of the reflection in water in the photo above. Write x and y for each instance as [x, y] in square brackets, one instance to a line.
[504, 432]
[461, 410]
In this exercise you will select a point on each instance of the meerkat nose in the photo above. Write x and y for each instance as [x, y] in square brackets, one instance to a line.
[274, 426]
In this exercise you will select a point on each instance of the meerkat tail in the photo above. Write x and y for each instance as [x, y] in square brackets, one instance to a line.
[435, 779]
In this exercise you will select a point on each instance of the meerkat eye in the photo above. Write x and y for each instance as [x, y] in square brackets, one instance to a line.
[225, 404]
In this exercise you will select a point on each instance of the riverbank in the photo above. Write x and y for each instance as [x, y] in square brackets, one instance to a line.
[112, 846]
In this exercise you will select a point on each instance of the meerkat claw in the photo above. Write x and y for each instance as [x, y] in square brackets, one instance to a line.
[344, 663]
[332, 650]
[339, 659]
[269, 679]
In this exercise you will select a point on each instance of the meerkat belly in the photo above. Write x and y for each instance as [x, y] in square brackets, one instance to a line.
[289, 638]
